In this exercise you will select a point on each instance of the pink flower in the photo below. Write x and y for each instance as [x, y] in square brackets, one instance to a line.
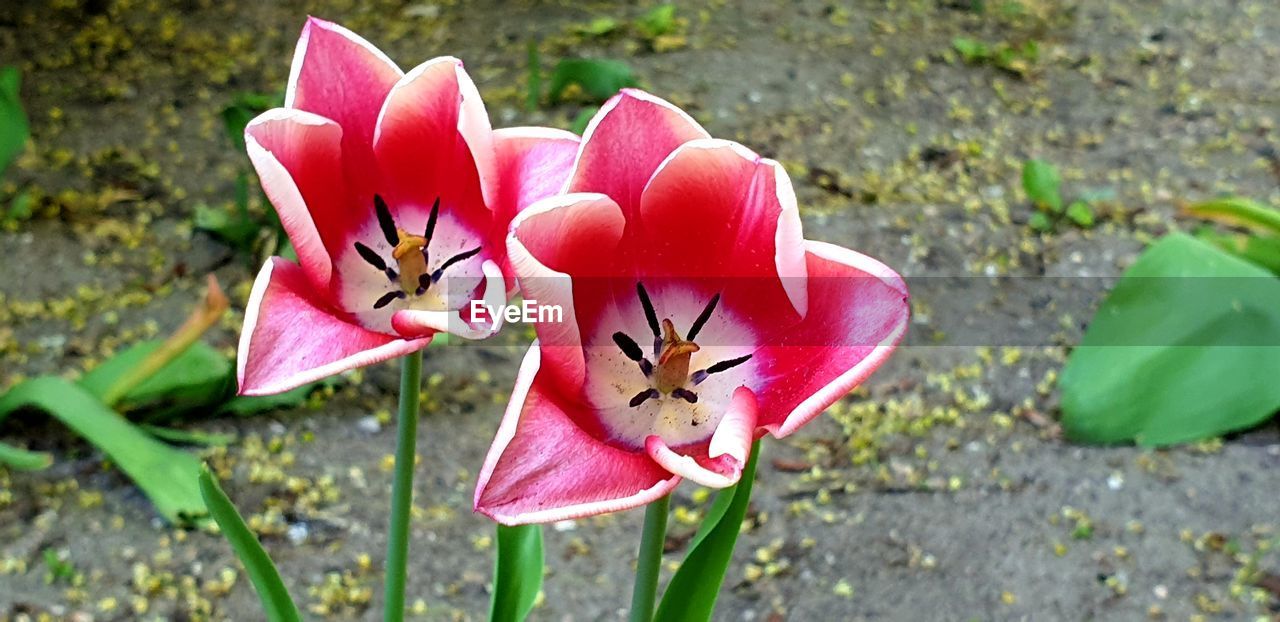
[696, 319]
[396, 195]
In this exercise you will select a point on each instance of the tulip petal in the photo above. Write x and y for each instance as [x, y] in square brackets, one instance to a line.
[433, 140]
[624, 144]
[298, 157]
[340, 76]
[715, 209]
[858, 313]
[551, 242]
[719, 464]
[291, 337]
[460, 322]
[533, 164]
[542, 467]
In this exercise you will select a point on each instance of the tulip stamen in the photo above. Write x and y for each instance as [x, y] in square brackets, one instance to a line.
[644, 396]
[651, 316]
[410, 253]
[630, 348]
[700, 375]
[669, 375]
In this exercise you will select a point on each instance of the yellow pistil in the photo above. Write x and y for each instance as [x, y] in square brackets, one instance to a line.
[408, 254]
[672, 369]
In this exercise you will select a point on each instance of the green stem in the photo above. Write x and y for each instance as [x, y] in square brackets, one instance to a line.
[645, 591]
[402, 489]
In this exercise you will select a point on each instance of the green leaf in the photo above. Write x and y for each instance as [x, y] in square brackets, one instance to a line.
[534, 68]
[234, 229]
[583, 119]
[200, 377]
[1239, 211]
[1080, 213]
[1264, 251]
[658, 21]
[22, 459]
[14, 130]
[1184, 348]
[598, 27]
[242, 109]
[187, 437]
[276, 602]
[20, 207]
[1040, 222]
[517, 572]
[244, 405]
[971, 50]
[599, 79]
[166, 475]
[691, 595]
[1041, 182]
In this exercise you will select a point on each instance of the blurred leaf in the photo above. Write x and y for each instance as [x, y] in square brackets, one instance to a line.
[971, 50]
[1041, 182]
[534, 95]
[187, 437]
[1184, 348]
[598, 27]
[1239, 212]
[1264, 251]
[166, 475]
[517, 572]
[658, 21]
[22, 459]
[199, 377]
[242, 109]
[1039, 221]
[20, 207]
[583, 119]
[1080, 213]
[599, 79]
[14, 130]
[691, 595]
[277, 605]
[237, 230]
[244, 405]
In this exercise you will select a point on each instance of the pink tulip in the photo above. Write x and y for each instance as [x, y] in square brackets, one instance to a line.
[696, 320]
[396, 195]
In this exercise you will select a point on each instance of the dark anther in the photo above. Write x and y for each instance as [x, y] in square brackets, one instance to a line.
[370, 256]
[374, 260]
[435, 276]
[431, 221]
[703, 317]
[698, 376]
[424, 282]
[646, 394]
[633, 351]
[649, 313]
[686, 395]
[387, 298]
[628, 346]
[385, 221]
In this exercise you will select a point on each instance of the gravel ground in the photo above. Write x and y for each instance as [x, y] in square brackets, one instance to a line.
[941, 491]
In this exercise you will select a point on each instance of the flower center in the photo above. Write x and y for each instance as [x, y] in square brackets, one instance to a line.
[670, 376]
[410, 253]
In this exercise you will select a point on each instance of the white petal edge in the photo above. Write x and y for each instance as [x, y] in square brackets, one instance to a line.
[813, 405]
[608, 107]
[507, 431]
[381, 353]
[300, 53]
